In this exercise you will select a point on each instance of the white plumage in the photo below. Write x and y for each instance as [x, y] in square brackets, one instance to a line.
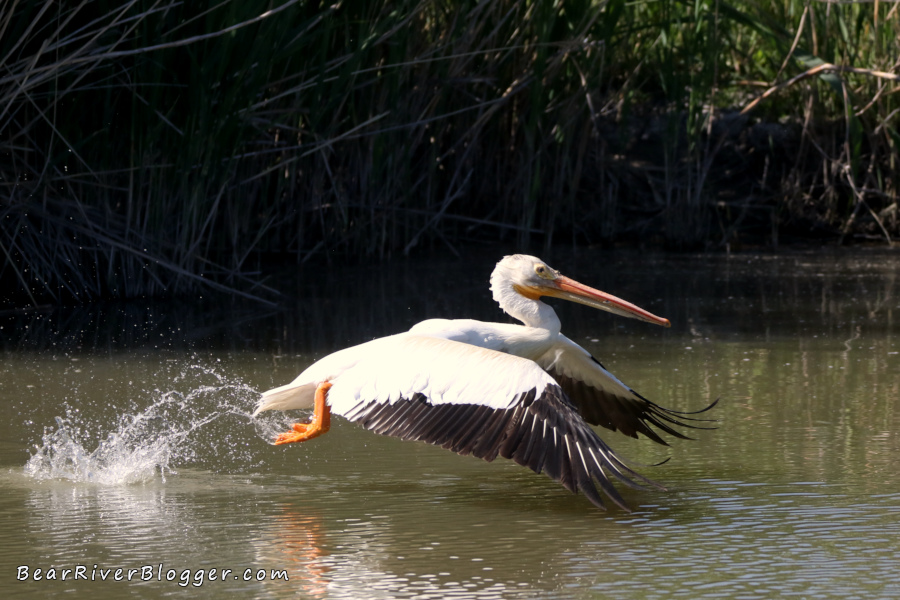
[524, 392]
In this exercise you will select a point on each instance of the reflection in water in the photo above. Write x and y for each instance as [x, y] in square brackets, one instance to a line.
[371, 556]
[715, 296]
[758, 541]
[107, 521]
[295, 541]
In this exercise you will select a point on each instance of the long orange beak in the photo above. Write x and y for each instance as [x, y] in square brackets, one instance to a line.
[569, 289]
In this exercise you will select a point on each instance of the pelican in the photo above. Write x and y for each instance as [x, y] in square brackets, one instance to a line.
[524, 392]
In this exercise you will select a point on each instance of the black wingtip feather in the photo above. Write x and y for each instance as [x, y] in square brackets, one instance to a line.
[630, 415]
[542, 432]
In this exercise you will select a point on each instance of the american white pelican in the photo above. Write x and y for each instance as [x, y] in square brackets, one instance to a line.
[524, 392]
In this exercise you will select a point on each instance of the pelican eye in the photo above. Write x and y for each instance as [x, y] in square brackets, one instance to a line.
[544, 272]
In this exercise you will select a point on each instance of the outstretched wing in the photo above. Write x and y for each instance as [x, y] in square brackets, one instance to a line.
[601, 399]
[479, 402]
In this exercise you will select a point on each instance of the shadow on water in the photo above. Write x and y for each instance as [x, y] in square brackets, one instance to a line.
[715, 295]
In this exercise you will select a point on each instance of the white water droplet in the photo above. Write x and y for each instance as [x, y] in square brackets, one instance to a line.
[142, 444]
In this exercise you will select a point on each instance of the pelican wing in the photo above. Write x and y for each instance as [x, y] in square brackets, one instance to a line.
[478, 402]
[602, 399]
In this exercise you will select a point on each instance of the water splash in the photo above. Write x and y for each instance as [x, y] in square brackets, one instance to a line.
[142, 444]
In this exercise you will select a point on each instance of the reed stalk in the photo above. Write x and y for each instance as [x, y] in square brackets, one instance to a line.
[160, 148]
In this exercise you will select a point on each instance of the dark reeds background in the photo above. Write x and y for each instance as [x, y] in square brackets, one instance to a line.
[158, 147]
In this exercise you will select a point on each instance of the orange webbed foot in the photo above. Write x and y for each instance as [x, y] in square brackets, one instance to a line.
[301, 433]
[319, 424]
[290, 437]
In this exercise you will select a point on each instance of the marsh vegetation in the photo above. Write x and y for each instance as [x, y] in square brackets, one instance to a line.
[154, 147]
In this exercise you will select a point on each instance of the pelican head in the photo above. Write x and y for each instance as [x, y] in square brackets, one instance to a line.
[531, 278]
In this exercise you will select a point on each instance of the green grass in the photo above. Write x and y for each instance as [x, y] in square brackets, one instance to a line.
[156, 148]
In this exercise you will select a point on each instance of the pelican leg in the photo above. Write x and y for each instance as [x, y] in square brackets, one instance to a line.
[319, 423]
